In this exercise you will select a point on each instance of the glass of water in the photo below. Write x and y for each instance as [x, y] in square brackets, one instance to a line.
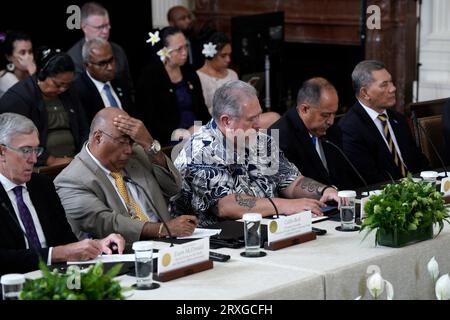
[252, 233]
[143, 252]
[12, 285]
[347, 209]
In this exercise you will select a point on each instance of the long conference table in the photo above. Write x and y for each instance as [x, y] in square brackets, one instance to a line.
[331, 267]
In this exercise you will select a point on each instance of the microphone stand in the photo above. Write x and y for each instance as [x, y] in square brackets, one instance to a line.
[129, 180]
[348, 161]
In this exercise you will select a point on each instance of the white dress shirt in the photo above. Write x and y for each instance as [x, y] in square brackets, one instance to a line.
[100, 88]
[8, 185]
[374, 116]
[319, 150]
[138, 197]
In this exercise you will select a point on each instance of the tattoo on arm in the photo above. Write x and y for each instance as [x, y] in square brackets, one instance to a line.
[310, 185]
[248, 202]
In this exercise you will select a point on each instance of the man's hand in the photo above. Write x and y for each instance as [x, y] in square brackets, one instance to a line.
[292, 206]
[135, 129]
[113, 242]
[182, 226]
[330, 194]
[78, 251]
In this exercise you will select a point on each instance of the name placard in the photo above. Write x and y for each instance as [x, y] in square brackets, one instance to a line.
[289, 226]
[183, 255]
[445, 186]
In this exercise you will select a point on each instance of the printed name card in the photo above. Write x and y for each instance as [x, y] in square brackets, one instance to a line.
[183, 255]
[445, 186]
[289, 226]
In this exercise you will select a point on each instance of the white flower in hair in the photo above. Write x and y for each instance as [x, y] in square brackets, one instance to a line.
[154, 38]
[209, 50]
[163, 54]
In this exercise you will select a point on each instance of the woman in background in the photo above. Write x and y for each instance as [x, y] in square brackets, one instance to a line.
[169, 94]
[18, 51]
[49, 101]
[215, 72]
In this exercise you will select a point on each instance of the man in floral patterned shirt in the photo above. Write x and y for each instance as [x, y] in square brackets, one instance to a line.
[229, 167]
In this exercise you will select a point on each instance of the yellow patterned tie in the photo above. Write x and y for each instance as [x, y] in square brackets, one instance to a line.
[387, 135]
[136, 211]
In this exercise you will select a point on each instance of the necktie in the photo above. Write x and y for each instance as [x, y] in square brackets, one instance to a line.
[27, 220]
[314, 140]
[111, 99]
[387, 134]
[135, 211]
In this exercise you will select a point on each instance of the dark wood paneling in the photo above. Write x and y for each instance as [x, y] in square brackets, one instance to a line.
[336, 22]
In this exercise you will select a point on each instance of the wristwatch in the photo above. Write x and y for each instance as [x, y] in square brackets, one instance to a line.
[154, 148]
[328, 186]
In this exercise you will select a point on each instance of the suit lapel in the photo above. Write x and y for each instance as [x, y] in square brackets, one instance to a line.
[10, 219]
[98, 101]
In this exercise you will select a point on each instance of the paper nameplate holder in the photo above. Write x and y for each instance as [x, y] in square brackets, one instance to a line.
[183, 260]
[289, 230]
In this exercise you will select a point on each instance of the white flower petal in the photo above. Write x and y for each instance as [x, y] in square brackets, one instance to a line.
[389, 290]
[442, 288]
[375, 284]
[433, 269]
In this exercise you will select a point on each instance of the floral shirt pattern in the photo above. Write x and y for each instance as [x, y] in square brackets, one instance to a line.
[212, 169]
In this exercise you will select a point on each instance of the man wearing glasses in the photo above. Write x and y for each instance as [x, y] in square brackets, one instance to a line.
[97, 86]
[95, 23]
[120, 182]
[33, 224]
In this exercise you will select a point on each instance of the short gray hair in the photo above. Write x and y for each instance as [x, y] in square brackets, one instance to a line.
[92, 9]
[362, 74]
[229, 97]
[90, 45]
[13, 124]
[311, 91]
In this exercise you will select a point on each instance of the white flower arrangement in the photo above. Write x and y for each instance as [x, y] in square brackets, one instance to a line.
[154, 38]
[377, 285]
[209, 50]
[163, 54]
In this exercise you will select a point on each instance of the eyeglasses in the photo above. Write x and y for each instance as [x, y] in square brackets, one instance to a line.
[104, 63]
[124, 141]
[180, 48]
[101, 27]
[26, 152]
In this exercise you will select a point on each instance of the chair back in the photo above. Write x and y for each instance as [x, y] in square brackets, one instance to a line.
[433, 127]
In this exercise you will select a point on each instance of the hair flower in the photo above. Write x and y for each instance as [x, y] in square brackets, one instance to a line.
[209, 50]
[163, 54]
[154, 38]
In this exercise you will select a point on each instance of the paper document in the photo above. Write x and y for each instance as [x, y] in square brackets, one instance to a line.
[108, 258]
[202, 233]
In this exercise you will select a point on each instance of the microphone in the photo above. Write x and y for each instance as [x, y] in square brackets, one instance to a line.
[277, 214]
[425, 133]
[346, 159]
[129, 180]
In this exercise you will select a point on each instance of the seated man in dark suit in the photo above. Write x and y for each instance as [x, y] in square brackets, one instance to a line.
[446, 132]
[377, 139]
[303, 130]
[33, 223]
[97, 86]
[95, 23]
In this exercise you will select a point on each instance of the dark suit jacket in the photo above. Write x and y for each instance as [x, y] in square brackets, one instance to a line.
[25, 98]
[365, 146]
[122, 67]
[446, 131]
[91, 100]
[296, 144]
[14, 256]
[157, 101]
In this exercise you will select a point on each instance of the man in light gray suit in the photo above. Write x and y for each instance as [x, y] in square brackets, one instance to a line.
[95, 24]
[121, 181]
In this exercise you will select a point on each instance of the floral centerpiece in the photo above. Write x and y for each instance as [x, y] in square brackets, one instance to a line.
[405, 213]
